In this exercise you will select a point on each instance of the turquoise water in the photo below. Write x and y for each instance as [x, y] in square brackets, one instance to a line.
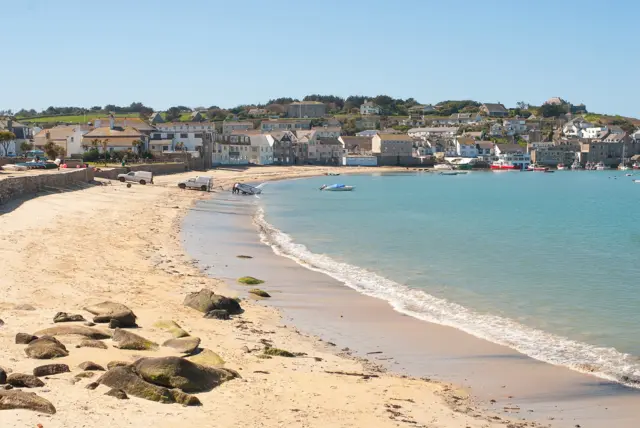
[548, 264]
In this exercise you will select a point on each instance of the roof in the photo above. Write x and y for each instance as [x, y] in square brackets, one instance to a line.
[361, 142]
[134, 122]
[327, 128]
[117, 132]
[56, 133]
[330, 141]
[474, 134]
[233, 123]
[260, 140]
[613, 138]
[485, 144]
[511, 148]
[304, 135]
[4, 122]
[171, 124]
[441, 129]
[395, 137]
[466, 141]
[495, 108]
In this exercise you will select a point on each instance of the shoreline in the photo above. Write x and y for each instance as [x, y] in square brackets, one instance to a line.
[114, 243]
[573, 390]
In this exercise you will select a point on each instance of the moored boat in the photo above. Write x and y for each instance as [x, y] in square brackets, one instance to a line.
[600, 166]
[537, 168]
[337, 188]
[561, 167]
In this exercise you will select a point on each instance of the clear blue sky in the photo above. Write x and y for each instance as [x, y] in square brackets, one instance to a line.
[202, 53]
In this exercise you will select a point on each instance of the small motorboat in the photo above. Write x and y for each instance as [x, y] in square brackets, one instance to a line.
[449, 173]
[337, 188]
[561, 167]
[333, 173]
[636, 181]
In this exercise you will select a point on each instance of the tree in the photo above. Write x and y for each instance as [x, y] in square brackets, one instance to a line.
[6, 137]
[26, 146]
[138, 145]
[104, 144]
[51, 150]
[553, 110]
[173, 114]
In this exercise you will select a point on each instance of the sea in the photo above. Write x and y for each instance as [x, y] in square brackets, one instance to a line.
[547, 264]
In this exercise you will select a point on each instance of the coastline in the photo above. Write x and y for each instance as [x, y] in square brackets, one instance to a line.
[418, 348]
[65, 251]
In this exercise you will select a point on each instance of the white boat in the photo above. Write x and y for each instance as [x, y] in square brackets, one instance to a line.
[636, 181]
[576, 165]
[561, 167]
[337, 188]
[537, 168]
[246, 189]
[600, 166]
[449, 173]
[623, 164]
[443, 167]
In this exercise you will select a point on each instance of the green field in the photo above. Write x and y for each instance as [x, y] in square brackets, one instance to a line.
[70, 118]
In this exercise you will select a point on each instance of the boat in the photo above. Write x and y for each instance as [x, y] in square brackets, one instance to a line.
[443, 166]
[337, 188]
[561, 167]
[506, 165]
[451, 173]
[333, 173]
[576, 165]
[600, 166]
[537, 168]
[246, 189]
[636, 181]
[623, 164]
[636, 165]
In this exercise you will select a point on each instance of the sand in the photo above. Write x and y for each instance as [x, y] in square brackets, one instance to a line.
[61, 252]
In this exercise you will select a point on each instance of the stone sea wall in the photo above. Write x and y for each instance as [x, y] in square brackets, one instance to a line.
[22, 185]
[156, 169]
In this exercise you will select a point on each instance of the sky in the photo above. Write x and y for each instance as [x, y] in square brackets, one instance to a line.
[225, 53]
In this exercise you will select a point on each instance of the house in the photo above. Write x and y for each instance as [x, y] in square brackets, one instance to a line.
[464, 118]
[125, 122]
[356, 145]
[494, 110]
[231, 150]
[367, 122]
[510, 156]
[302, 109]
[514, 126]
[425, 133]
[70, 138]
[329, 151]
[466, 147]
[255, 112]
[333, 122]
[372, 132]
[327, 131]
[615, 129]
[156, 117]
[496, 130]
[636, 136]
[485, 150]
[189, 134]
[592, 132]
[276, 125]
[22, 132]
[393, 149]
[554, 155]
[574, 127]
[286, 150]
[196, 116]
[116, 138]
[229, 127]
[261, 152]
[308, 138]
[369, 108]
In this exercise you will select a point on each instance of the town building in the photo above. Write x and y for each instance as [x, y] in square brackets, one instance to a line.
[485, 150]
[327, 131]
[276, 125]
[22, 132]
[494, 110]
[286, 150]
[329, 151]
[367, 122]
[464, 118]
[229, 127]
[356, 145]
[359, 160]
[496, 130]
[393, 149]
[116, 138]
[514, 126]
[372, 132]
[196, 116]
[188, 135]
[261, 152]
[555, 155]
[231, 149]
[574, 127]
[510, 156]
[593, 132]
[466, 147]
[425, 133]
[303, 109]
[156, 117]
[369, 108]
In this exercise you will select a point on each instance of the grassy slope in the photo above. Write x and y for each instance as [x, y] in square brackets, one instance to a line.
[70, 118]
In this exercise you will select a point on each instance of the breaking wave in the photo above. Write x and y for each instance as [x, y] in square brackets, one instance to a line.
[606, 363]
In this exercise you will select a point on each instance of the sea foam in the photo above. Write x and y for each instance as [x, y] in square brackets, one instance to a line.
[606, 363]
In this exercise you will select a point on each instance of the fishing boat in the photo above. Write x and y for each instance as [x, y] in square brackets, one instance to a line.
[561, 167]
[623, 164]
[576, 165]
[537, 168]
[636, 165]
[600, 166]
[337, 188]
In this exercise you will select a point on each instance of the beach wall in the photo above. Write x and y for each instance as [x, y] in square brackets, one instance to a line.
[156, 169]
[21, 185]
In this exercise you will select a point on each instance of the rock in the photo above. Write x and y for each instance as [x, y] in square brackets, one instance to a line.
[114, 323]
[106, 311]
[171, 327]
[217, 314]
[1, 322]
[127, 340]
[65, 317]
[51, 369]
[242, 256]
[206, 301]
[45, 348]
[84, 375]
[259, 292]
[207, 358]
[25, 338]
[6, 387]
[92, 343]
[89, 324]
[118, 393]
[249, 280]
[91, 366]
[126, 379]
[21, 380]
[186, 345]
[113, 364]
[17, 399]
[175, 372]
[92, 385]
[3, 376]
[25, 307]
[80, 330]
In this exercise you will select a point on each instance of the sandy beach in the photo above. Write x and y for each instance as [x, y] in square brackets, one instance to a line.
[62, 252]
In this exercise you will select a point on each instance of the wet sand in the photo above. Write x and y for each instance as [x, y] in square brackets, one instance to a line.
[499, 378]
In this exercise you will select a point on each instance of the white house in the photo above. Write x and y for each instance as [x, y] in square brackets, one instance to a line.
[464, 118]
[327, 131]
[485, 149]
[496, 130]
[514, 126]
[229, 127]
[231, 150]
[592, 132]
[574, 127]
[466, 147]
[425, 133]
[369, 108]
[261, 150]
[636, 136]
[188, 133]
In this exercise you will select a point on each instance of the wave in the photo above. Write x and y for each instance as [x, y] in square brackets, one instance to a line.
[606, 363]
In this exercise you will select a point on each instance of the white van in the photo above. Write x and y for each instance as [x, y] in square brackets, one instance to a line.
[142, 177]
[204, 183]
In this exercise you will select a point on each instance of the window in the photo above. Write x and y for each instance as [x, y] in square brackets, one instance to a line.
[198, 135]
[169, 136]
[184, 136]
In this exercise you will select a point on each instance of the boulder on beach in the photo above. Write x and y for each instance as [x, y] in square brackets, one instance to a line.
[171, 327]
[186, 345]
[84, 375]
[65, 317]
[206, 301]
[249, 280]
[218, 314]
[21, 380]
[176, 372]
[25, 338]
[16, 399]
[113, 364]
[91, 366]
[106, 311]
[50, 369]
[258, 292]
[92, 343]
[117, 393]
[80, 330]
[207, 358]
[3, 376]
[126, 379]
[45, 348]
[127, 340]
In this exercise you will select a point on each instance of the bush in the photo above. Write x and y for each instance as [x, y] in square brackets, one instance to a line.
[92, 155]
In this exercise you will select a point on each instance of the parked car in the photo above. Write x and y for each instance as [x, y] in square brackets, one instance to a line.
[204, 183]
[142, 177]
